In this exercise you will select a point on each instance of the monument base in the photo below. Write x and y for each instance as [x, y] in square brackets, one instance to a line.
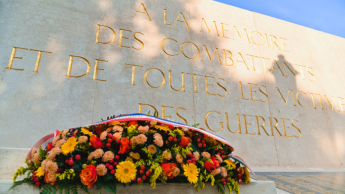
[258, 187]
[13, 158]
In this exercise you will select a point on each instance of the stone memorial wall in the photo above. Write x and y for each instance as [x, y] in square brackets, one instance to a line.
[273, 89]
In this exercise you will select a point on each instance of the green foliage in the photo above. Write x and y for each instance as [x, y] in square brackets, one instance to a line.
[110, 187]
[42, 153]
[74, 189]
[85, 189]
[20, 171]
[195, 124]
[17, 183]
[48, 189]
[221, 188]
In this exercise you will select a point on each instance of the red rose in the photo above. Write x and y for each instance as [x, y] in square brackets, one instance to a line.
[211, 166]
[132, 123]
[49, 147]
[88, 175]
[184, 141]
[96, 142]
[168, 169]
[125, 145]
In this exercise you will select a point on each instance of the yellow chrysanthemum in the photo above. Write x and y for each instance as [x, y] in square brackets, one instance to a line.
[191, 172]
[230, 163]
[114, 123]
[68, 147]
[125, 171]
[163, 127]
[86, 132]
[39, 172]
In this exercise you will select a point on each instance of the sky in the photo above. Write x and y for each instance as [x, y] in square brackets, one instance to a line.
[323, 15]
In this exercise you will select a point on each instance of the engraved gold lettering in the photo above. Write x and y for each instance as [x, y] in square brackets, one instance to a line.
[243, 61]
[121, 37]
[208, 29]
[341, 105]
[99, 31]
[227, 124]
[184, 20]
[312, 97]
[226, 92]
[275, 126]
[206, 116]
[141, 42]
[223, 31]
[287, 96]
[262, 38]
[70, 67]
[207, 84]
[133, 72]
[300, 102]
[300, 133]
[313, 80]
[292, 71]
[276, 63]
[244, 31]
[145, 12]
[165, 18]
[183, 83]
[195, 81]
[246, 124]
[274, 42]
[13, 56]
[285, 127]
[162, 46]
[251, 92]
[96, 69]
[333, 102]
[262, 126]
[141, 105]
[208, 54]
[229, 57]
[145, 77]
[38, 58]
[263, 93]
[283, 44]
[163, 112]
[198, 51]
[242, 96]
[179, 116]
[253, 60]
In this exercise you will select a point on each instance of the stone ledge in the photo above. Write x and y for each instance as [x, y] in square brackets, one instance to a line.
[257, 187]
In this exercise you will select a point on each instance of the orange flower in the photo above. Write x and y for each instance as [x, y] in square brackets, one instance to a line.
[88, 175]
[132, 123]
[125, 146]
[46, 179]
[184, 141]
[96, 142]
[168, 168]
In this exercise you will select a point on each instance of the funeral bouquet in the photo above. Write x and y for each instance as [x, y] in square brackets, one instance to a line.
[132, 149]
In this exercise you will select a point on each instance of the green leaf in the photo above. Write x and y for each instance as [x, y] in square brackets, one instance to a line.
[17, 183]
[107, 177]
[48, 189]
[111, 187]
[74, 189]
[85, 189]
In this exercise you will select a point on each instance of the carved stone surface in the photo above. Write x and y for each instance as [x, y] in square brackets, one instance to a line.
[35, 104]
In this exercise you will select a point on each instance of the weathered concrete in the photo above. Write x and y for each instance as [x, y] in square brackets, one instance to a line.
[264, 187]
